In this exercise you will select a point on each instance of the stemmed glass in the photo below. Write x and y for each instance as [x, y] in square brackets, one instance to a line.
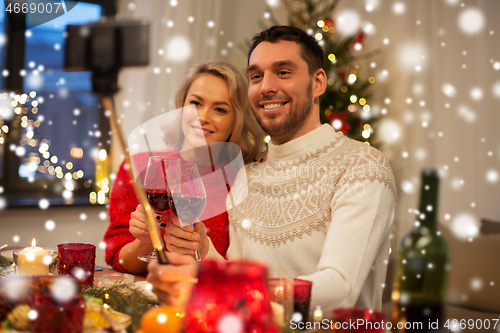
[156, 188]
[187, 195]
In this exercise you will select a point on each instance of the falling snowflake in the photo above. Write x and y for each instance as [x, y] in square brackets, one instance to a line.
[178, 49]
[465, 226]
[43, 204]
[476, 93]
[389, 131]
[348, 22]
[230, 323]
[50, 225]
[448, 89]
[476, 284]
[64, 289]
[467, 114]
[471, 21]
[398, 8]
[492, 176]
[32, 314]
[273, 3]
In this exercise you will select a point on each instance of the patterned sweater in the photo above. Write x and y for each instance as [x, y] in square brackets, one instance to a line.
[320, 207]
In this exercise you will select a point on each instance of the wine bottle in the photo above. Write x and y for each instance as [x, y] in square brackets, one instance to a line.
[422, 268]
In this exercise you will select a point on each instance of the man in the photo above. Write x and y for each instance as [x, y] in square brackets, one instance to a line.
[321, 206]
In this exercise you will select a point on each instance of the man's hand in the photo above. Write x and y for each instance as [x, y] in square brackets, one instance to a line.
[173, 283]
[186, 240]
[138, 227]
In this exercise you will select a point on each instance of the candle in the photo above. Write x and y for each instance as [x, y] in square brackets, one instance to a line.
[32, 261]
[278, 314]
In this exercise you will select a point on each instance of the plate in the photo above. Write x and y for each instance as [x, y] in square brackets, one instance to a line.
[146, 288]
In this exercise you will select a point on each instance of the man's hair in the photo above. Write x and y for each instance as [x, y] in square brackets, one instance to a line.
[311, 52]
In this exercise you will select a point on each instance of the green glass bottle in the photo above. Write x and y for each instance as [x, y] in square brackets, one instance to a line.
[422, 268]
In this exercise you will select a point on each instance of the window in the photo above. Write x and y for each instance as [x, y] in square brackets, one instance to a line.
[57, 136]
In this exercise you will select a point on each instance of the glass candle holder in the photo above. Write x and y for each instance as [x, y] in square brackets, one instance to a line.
[57, 316]
[370, 321]
[230, 293]
[51, 252]
[281, 290]
[77, 260]
[301, 300]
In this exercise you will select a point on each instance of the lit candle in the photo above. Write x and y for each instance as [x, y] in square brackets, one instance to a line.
[32, 261]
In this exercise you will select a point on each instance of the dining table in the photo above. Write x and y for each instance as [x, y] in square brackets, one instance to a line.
[451, 311]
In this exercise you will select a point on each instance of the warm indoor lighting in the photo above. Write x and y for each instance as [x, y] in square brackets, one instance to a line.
[103, 154]
[76, 152]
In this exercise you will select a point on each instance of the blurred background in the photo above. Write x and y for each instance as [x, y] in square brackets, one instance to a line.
[419, 80]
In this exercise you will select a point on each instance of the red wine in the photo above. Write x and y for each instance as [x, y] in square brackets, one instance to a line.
[302, 306]
[188, 209]
[171, 202]
[158, 199]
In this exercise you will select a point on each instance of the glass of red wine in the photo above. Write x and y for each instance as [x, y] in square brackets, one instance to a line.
[187, 197]
[156, 188]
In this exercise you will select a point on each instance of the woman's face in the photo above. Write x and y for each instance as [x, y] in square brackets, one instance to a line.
[215, 117]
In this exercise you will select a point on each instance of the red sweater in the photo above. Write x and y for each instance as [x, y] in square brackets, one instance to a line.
[123, 202]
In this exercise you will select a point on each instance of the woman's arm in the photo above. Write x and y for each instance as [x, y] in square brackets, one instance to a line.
[127, 234]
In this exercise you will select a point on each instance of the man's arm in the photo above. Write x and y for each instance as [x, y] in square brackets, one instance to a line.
[362, 215]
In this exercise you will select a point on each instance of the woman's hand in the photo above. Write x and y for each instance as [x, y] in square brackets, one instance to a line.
[186, 240]
[262, 157]
[138, 227]
[173, 283]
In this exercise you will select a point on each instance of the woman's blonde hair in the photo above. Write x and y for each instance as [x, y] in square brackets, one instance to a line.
[246, 131]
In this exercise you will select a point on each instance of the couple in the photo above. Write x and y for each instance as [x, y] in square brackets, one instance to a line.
[320, 207]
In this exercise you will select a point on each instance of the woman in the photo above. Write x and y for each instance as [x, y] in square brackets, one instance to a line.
[219, 93]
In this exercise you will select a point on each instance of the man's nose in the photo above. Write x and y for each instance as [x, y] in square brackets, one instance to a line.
[269, 85]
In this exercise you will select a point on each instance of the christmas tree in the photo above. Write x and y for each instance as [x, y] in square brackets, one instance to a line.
[344, 105]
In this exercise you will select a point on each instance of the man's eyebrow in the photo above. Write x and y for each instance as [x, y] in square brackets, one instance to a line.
[278, 63]
[252, 68]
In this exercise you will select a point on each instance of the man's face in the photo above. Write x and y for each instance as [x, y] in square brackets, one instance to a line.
[280, 89]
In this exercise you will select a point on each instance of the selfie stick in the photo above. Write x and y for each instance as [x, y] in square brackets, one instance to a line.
[107, 103]
[103, 48]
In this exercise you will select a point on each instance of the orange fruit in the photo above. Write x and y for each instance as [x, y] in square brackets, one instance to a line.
[161, 319]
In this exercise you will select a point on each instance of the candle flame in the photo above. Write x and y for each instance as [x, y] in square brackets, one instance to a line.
[33, 243]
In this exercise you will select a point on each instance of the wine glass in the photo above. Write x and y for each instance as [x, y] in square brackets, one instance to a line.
[156, 188]
[187, 195]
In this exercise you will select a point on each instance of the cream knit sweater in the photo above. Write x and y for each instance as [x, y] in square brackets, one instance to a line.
[320, 207]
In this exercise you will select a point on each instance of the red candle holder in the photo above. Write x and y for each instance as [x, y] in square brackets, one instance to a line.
[302, 298]
[230, 294]
[77, 260]
[53, 316]
[358, 320]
